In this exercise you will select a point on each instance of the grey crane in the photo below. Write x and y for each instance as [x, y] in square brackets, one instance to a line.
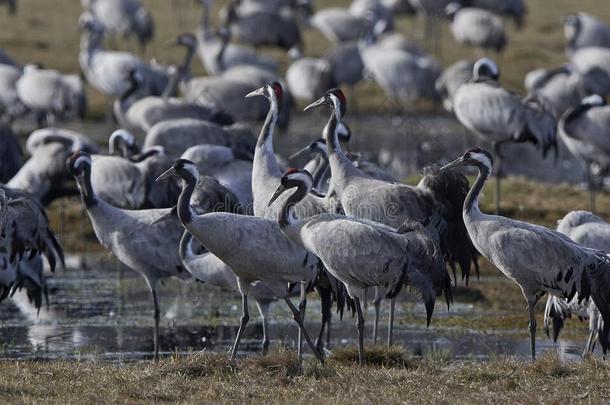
[584, 30]
[254, 248]
[225, 89]
[107, 71]
[340, 25]
[141, 114]
[176, 136]
[52, 93]
[123, 143]
[499, 116]
[451, 79]
[362, 253]
[280, 30]
[11, 158]
[559, 88]
[218, 54]
[130, 182]
[123, 18]
[538, 259]
[438, 195]
[26, 237]
[67, 137]
[221, 163]
[476, 27]
[43, 174]
[266, 174]
[137, 241]
[586, 133]
[515, 9]
[346, 66]
[209, 269]
[10, 104]
[593, 63]
[402, 75]
[307, 78]
[589, 230]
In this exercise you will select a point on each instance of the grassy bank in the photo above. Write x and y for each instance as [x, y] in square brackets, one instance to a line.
[279, 378]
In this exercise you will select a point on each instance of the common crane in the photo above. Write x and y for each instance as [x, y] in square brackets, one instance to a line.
[362, 253]
[559, 88]
[254, 248]
[107, 71]
[515, 9]
[123, 18]
[499, 116]
[538, 259]
[585, 130]
[583, 30]
[218, 54]
[589, 230]
[476, 27]
[52, 93]
[264, 27]
[438, 195]
[450, 81]
[141, 114]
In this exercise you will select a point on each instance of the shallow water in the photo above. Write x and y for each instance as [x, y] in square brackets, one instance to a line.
[104, 313]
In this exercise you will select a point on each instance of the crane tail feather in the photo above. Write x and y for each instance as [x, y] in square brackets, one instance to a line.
[599, 280]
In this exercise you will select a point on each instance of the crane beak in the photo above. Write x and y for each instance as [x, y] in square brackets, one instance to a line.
[317, 103]
[456, 163]
[280, 190]
[257, 92]
[167, 174]
[300, 153]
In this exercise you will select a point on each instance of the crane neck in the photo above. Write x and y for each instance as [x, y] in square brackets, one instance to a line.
[266, 134]
[286, 215]
[321, 169]
[186, 65]
[86, 189]
[172, 84]
[220, 54]
[471, 203]
[184, 200]
[331, 136]
[185, 251]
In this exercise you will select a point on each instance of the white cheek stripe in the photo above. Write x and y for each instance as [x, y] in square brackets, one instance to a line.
[302, 177]
[482, 158]
[192, 168]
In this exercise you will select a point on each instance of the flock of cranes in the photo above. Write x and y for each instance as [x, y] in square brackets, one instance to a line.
[203, 198]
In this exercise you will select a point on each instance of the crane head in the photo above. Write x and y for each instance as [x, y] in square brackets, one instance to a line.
[473, 157]
[594, 100]
[485, 67]
[183, 168]
[571, 26]
[293, 178]
[452, 9]
[187, 40]
[334, 98]
[272, 91]
[77, 162]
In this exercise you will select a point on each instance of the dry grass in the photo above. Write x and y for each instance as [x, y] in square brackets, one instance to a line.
[46, 32]
[278, 378]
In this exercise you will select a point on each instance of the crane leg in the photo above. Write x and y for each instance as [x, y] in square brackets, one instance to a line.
[245, 317]
[302, 306]
[326, 303]
[360, 326]
[156, 315]
[263, 309]
[532, 327]
[391, 322]
[377, 306]
[297, 317]
[328, 323]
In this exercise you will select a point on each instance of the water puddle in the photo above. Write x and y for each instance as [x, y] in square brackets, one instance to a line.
[104, 312]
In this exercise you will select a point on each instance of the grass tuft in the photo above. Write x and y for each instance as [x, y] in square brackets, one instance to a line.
[374, 355]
